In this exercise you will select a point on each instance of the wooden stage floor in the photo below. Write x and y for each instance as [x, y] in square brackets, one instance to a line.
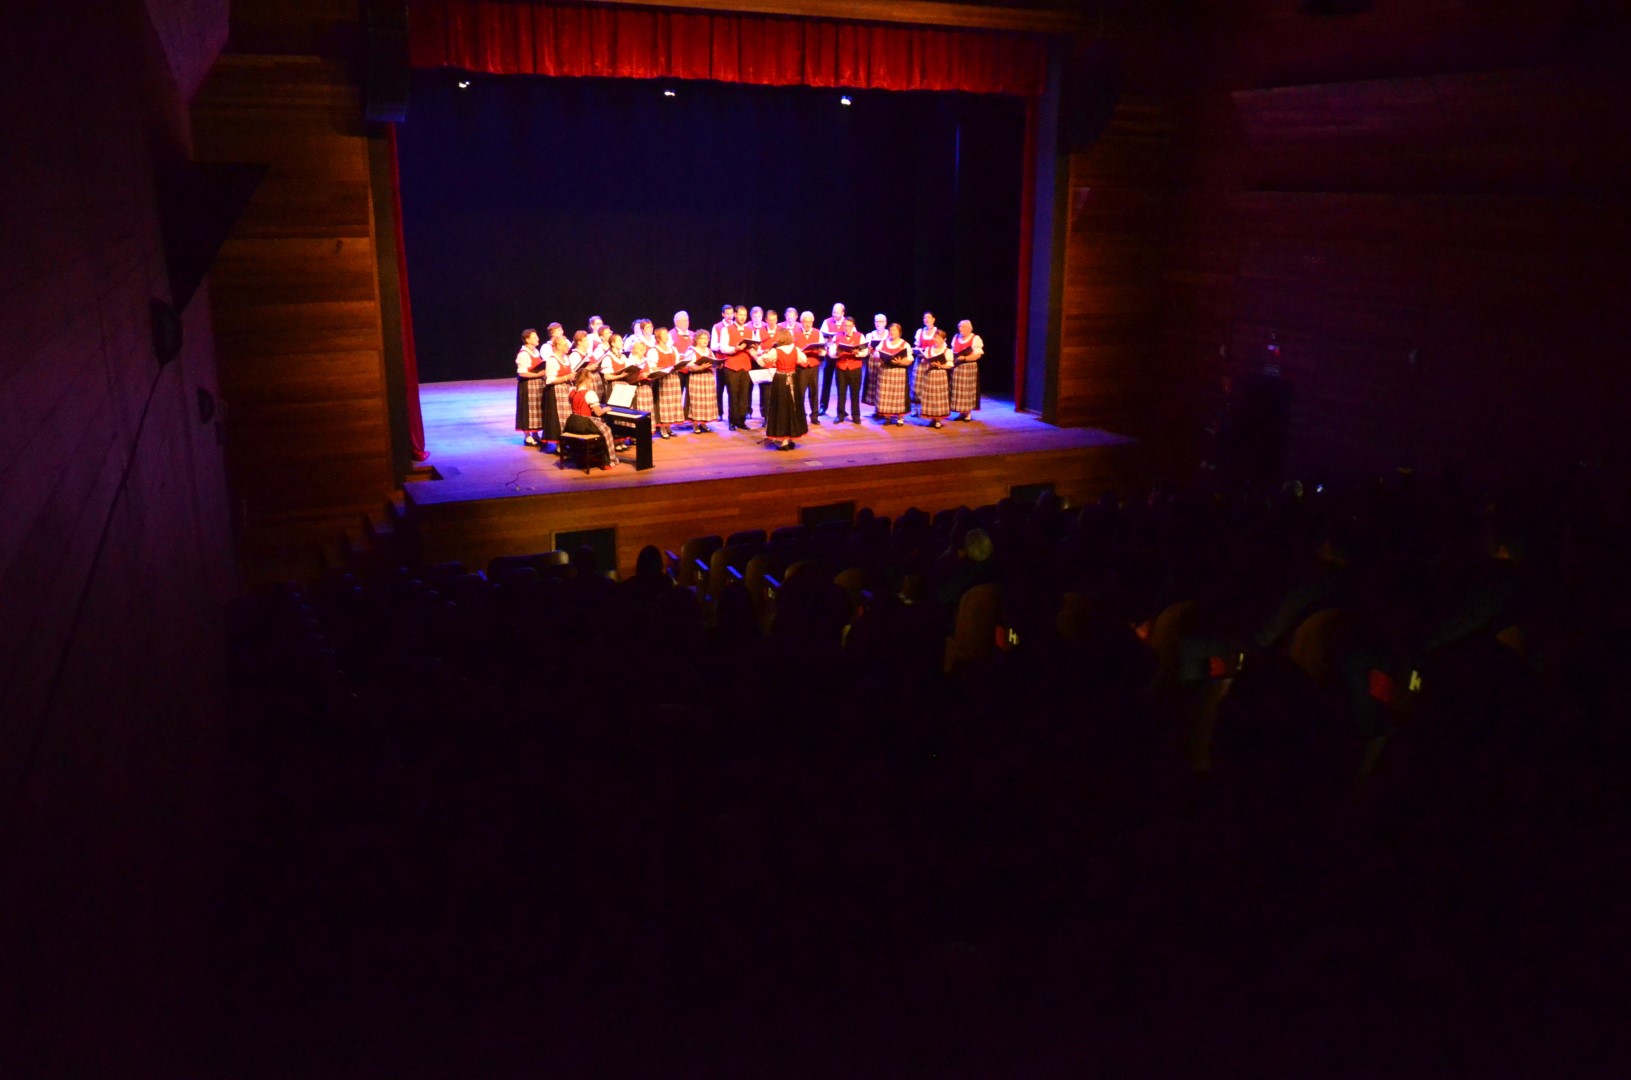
[495, 496]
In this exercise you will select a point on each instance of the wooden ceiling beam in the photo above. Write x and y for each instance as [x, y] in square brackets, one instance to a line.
[919, 12]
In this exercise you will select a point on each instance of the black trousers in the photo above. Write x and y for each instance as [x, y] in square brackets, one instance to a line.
[849, 382]
[804, 391]
[829, 376]
[739, 387]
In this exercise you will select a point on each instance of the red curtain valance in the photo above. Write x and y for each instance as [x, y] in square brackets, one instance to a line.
[504, 37]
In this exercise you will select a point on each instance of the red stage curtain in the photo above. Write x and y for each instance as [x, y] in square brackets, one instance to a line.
[504, 37]
[410, 359]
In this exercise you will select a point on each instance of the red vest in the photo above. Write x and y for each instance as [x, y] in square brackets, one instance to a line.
[848, 361]
[580, 403]
[832, 327]
[923, 336]
[667, 358]
[735, 334]
[787, 358]
[682, 340]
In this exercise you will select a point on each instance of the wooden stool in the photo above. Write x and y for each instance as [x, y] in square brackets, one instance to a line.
[581, 451]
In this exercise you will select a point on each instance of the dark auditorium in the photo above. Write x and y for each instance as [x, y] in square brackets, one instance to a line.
[777, 538]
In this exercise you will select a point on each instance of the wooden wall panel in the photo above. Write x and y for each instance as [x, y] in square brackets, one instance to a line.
[296, 293]
[115, 555]
[1120, 191]
[1453, 180]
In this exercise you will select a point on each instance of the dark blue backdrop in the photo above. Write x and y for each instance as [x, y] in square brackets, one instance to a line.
[527, 200]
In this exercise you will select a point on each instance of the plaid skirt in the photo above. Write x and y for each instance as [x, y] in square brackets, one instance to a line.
[702, 397]
[934, 392]
[965, 387]
[670, 400]
[529, 404]
[869, 386]
[891, 390]
[597, 383]
[644, 400]
[559, 395]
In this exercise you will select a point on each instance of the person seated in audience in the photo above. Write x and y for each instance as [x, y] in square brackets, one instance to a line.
[969, 564]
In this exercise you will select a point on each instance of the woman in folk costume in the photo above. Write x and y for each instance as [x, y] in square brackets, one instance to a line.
[663, 381]
[585, 418]
[702, 387]
[642, 332]
[875, 337]
[583, 359]
[920, 342]
[558, 374]
[966, 350]
[894, 357]
[529, 389]
[616, 368]
[784, 413]
[934, 380]
[645, 391]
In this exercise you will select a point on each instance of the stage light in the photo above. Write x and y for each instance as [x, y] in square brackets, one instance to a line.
[668, 93]
[844, 100]
[464, 84]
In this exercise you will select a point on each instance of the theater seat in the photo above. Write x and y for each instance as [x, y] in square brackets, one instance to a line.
[1315, 643]
[973, 638]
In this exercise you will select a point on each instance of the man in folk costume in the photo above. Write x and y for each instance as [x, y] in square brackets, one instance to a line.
[966, 350]
[831, 327]
[735, 347]
[701, 394]
[784, 414]
[934, 380]
[877, 336]
[529, 388]
[812, 349]
[852, 356]
[681, 335]
[558, 373]
[772, 324]
[758, 332]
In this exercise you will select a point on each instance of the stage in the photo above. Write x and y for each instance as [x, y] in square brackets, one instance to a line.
[490, 495]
